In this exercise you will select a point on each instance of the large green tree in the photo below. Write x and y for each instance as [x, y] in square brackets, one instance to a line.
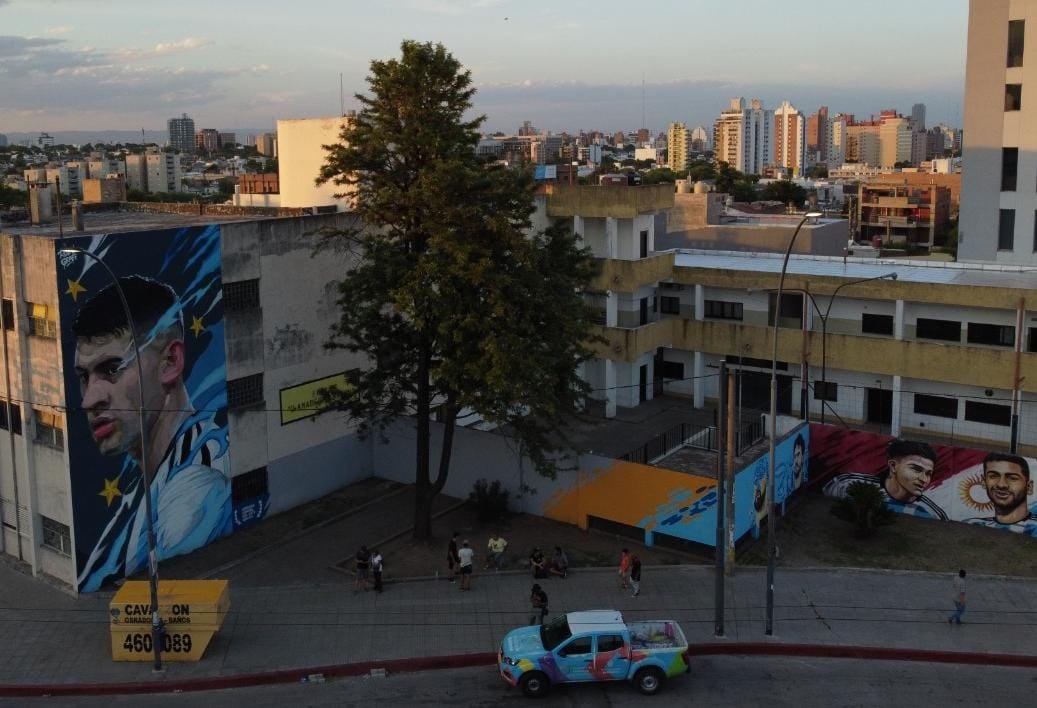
[784, 191]
[457, 303]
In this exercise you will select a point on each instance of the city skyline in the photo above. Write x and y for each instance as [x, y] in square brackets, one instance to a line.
[63, 68]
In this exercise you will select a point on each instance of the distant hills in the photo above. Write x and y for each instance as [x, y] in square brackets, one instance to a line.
[80, 137]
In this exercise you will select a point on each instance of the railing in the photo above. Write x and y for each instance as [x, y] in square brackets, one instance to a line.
[702, 437]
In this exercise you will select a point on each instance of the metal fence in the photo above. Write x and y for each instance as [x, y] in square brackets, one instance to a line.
[703, 437]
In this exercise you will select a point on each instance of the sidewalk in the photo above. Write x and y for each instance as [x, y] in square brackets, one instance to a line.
[63, 640]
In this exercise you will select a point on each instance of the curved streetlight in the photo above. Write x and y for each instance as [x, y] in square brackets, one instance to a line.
[769, 629]
[156, 621]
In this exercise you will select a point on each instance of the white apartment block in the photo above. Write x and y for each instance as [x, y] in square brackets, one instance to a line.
[742, 137]
[836, 140]
[999, 176]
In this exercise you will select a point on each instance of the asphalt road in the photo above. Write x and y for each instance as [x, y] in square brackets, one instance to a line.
[720, 681]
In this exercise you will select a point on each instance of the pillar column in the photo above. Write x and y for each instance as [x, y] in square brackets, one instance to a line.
[895, 424]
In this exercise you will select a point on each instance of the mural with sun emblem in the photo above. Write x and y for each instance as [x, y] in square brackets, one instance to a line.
[990, 489]
[172, 285]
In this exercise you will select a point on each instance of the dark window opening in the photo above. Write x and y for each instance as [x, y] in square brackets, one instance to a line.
[997, 335]
[245, 391]
[609, 642]
[673, 369]
[946, 330]
[644, 244]
[242, 295]
[669, 305]
[722, 310]
[826, 391]
[939, 406]
[249, 485]
[1009, 168]
[7, 314]
[1013, 97]
[1016, 30]
[1031, 344]
[577, 647]
[758, 363]
[1006, 230]
[991, 413]
[877, 324]
[791, 308]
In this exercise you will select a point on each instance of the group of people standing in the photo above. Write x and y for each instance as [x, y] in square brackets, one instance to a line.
[460, 558]
[369, 565]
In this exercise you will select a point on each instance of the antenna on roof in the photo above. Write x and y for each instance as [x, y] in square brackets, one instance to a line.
[643, 124]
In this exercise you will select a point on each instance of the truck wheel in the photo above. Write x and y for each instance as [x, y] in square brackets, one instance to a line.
[649, 680]
[534, 684]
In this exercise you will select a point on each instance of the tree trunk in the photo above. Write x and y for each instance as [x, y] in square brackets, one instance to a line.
[423, 492]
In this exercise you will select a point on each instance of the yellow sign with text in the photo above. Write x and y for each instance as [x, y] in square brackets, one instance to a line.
[191, 610]
[301, 402]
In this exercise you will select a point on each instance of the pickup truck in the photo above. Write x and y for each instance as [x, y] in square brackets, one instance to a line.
[595, 645]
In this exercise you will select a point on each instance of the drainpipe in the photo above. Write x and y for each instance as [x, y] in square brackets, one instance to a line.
[1016, 379]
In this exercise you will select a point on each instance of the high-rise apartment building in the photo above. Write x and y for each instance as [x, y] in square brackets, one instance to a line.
[207, 140]
[817, 136]
[998, 219]
[678, 147]
[862, 143]
[790, 139]
[181, 134]
[835, 141]
[918, 116]
[742, 136]
[896, 139]
[266, 144]
[699, 139]
[3, 140]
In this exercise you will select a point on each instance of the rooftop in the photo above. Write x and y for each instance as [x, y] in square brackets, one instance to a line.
[106, 222]
[907, 270]
[594, 620]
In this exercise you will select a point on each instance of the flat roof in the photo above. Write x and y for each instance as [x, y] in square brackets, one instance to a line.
[104, 222]
[908, 270]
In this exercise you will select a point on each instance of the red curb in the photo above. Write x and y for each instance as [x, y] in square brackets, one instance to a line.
[457, 661]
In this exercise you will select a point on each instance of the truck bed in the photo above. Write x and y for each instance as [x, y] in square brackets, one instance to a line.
[657, 634]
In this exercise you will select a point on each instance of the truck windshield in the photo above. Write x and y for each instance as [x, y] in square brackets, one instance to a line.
[555, 632]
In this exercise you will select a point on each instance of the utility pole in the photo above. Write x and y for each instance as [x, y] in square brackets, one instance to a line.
[729, 473]
[718, 579]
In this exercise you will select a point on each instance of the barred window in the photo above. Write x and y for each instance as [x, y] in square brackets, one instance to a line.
[40, 322]
[10, 416]
[249, 485]
[56, 536]
[245, 391]
[49, 429]
[240, 296]
[722, 309]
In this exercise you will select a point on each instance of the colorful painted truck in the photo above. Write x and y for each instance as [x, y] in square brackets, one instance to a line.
[596, 645]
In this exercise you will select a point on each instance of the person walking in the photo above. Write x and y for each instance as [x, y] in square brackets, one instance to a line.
[363, 563]
[452, 561]
[495, 551]
[959, 598]
[635, 574]
[538, 599]
[376, 569]
[624, 569]
[465, 557]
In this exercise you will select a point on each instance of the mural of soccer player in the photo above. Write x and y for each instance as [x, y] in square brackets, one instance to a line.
[1008, 484]
[909, 470]
[184, 450]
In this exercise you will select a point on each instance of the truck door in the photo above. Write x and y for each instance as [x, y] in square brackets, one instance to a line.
[611, 658]
[576, 658]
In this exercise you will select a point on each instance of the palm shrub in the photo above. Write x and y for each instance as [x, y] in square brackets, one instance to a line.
[865, 508]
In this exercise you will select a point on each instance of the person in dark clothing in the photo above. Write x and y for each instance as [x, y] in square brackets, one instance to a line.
[537, 564]
[453, 561]
[363, 566]
[538, 599]
[376, 569]
[635, 574]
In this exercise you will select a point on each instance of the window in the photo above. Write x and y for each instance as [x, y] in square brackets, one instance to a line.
[669, 305]
[609, 642]
[249, 485]
[826, 391]
[723, 310]
[7, 314]
[56, 536]
[40, 323]
[49, 429]
[877, 324]
[992, 413]
[939, 406]
[245, 391]
[1009, 168]
[673, 369]
[997, 335]
[1016, 29]
[11, 417]
[947, 330]
[242, 295]
[580, 645]
[644, 244]
[1035, 232]
[1013, 97]
[1006, 230]
[791, 307]
[1031, 345]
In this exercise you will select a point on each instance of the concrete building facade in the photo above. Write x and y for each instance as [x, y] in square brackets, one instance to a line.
[790, 148]
[678, 147]
[181, 134]
[743, 136]
[301, 154]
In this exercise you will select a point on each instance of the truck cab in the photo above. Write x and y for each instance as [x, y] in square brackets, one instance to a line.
[594, 645]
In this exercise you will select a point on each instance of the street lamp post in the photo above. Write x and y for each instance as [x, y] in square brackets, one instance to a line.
[769, 629]
[156, 620]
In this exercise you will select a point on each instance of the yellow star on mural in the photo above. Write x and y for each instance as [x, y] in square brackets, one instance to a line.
[74, 288]
[196, 326]
[110, 491]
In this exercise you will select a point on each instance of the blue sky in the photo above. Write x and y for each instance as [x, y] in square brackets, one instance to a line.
[563, 64]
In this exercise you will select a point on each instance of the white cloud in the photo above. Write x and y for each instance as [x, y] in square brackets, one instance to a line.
[184, 45]
[60, 29]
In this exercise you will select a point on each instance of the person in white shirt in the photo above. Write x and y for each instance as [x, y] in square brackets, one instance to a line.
[466, 557]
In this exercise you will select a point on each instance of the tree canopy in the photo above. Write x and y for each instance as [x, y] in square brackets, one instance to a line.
[784, 191]
[456, 303]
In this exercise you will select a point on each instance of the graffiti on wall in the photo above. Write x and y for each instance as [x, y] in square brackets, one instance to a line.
[171, 282]
[662, 501]
[939, 482]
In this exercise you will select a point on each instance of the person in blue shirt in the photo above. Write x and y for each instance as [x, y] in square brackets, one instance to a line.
[1008, 484]
[185, 450]
[909, 470]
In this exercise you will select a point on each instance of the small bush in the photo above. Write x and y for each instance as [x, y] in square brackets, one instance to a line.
[490, 499]
[865, 508]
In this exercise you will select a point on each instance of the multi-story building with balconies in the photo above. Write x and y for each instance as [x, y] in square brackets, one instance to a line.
[902, 214]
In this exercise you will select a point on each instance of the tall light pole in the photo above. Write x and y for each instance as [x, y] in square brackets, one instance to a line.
[769, 629]
[156, 620]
